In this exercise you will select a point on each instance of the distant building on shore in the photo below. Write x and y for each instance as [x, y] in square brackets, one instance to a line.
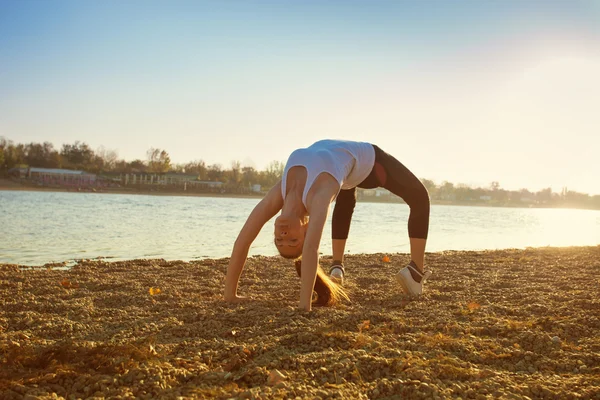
[57, 176]
[161, 179]
[18, 171]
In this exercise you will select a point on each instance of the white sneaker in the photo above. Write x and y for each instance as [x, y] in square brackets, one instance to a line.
[408, 283]
[336, 274]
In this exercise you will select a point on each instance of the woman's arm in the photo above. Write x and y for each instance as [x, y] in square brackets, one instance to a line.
[318, 210]
[264, 211]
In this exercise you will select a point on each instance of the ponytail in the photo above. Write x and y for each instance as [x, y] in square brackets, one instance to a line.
[328, 292]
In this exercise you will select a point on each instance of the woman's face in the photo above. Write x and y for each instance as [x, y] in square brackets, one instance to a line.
[289, 236]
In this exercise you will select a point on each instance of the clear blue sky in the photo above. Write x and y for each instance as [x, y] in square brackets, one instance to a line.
[464, 91]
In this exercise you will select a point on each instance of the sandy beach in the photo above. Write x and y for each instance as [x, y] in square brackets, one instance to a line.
[505, 324]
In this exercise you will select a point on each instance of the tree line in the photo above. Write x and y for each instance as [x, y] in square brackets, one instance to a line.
[495, 195]
[81, 156]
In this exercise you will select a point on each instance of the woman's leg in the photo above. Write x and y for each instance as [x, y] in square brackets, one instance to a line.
[403, 183]
[340, 223]
[344, 208]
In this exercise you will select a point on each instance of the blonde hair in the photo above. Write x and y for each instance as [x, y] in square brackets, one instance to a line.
[328, 292]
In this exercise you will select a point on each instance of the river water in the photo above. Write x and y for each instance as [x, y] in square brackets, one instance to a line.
[41, 227]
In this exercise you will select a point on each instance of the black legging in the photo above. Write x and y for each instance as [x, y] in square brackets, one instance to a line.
[390, 174]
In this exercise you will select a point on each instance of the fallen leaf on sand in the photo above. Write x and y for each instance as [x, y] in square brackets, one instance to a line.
[365, 325]
[154, 291]
[68, 285]
[275, 377]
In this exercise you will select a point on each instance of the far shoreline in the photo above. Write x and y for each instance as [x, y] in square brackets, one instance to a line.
[324, 258]
[7, 185]
[15, 187]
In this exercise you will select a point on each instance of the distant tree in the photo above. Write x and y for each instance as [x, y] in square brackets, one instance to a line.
[276, 168]
[158, 160]
[3, 146]
[463, 192]
[514, 196]
[215, 173]
[446, 190]
[573, 199]
[178, 168]
[56, 160]
[121, 166]
[197, 167]
[42, 155]
[106, 158]
[495, 185]
[13, 154]
[526, 194]
[234, 175]
[544, 196]
[501, 195]
[272, 174]
[77, 155]
[98, 165]
[477, 193]
[136, 166]
[249, 176]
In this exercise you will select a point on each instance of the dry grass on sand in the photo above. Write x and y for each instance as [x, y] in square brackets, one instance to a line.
[492, 324]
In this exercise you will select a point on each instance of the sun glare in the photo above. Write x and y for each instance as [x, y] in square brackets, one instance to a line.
[567, 227]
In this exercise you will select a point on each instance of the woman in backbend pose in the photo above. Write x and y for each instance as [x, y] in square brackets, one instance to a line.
[314, 177]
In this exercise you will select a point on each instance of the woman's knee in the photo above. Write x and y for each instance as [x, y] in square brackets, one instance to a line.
[345, 202]
[418, 197]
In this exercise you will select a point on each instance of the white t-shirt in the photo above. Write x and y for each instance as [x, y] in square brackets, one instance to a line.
[348, 162]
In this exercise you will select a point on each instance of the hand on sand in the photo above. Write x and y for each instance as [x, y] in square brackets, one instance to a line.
[305, 307]
[236, 299]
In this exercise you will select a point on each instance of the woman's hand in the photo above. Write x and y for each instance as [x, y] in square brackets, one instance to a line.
[306, 308]
[310, 261]
[236, 299]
